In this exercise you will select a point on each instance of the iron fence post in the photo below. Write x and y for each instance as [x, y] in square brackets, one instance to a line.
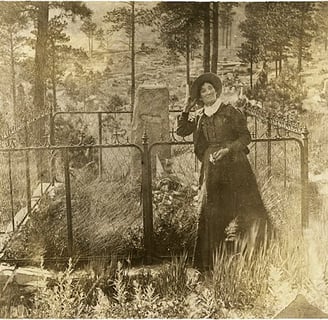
[27, 172]
[100, 163]
[11, 191]
[68, 203]
[147, 199]
[269, 157]
[305, 177]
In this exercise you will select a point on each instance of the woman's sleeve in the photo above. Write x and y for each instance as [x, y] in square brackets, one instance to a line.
[186, 126]
[242, 132]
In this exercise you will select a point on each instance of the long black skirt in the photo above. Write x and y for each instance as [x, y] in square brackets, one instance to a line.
[230, 205]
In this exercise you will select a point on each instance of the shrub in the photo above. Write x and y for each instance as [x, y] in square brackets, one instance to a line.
[283, 93]
[74, 132]
[175, 217]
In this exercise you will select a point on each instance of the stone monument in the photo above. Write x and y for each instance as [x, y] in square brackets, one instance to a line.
[151, 115]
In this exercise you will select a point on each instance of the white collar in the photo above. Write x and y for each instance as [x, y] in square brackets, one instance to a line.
[210, 110]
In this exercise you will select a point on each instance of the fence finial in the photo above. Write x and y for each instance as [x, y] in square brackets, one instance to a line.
[145, 136]
[305, 132]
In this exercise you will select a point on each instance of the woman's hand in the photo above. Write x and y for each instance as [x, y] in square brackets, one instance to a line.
[218, 155]
[188, 104]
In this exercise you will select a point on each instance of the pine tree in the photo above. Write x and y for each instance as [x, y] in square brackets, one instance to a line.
[89, 28]
[13, 20]
[39, 13]
[100, 36]
[322, 22]
[252, 30]
[126, 19]
[226, 15]
[206, 36]
[179, 25]
[215, 37]
[303, 30]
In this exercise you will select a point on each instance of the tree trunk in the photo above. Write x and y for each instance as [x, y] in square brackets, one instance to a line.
[280, 63]
[276, 67]
[215, 38]
[41, 56]
[251, 69]
[188, 58]
[227, 37]
[13, 77]
[230, 34]
[223, 35]
[40, 76]
[133, 85]
[300, 44]
[251, 74]
[207, 38]
[53, 79]
[326, 41]
[91, 51]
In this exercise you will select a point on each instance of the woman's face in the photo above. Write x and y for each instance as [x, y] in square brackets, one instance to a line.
[207, 93]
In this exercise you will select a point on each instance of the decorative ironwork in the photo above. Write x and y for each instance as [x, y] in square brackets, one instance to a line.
[277, 120]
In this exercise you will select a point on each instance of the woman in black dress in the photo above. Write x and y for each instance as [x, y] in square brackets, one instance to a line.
[229, 196]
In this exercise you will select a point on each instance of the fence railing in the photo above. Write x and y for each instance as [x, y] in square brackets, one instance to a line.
[266, 129]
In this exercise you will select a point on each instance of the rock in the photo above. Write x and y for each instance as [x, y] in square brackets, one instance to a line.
[25, 276]
[301, 308]
[5, 272]
[31, 275]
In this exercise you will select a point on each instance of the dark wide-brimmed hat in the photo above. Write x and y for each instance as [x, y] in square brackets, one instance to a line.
[209, 77]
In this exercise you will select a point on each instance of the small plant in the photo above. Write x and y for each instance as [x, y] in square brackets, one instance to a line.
[240, 272]
[173, 278]
[64, 298]
[175, 217]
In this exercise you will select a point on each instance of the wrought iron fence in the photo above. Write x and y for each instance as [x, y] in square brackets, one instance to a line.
[85, 218]
[274, 140]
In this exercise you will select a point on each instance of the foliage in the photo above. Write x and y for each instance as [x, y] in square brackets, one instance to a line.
[63, 298]
[284, 93]
[303, 30]
[69, 132]
[251, 29]
[240, 273]
[13, 21]
[226, 16]
[101, 37]
[121, 19]
[320, 18]
[116, 226]
[83, 86]
[58, 51]
[240, 281]
[179, 25]
[277, 30]
[175, 217]
[89, 28]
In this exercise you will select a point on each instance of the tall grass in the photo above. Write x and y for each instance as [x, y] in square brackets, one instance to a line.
[19, 184]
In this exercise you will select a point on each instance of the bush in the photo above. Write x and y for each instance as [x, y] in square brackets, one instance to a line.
[69, 132]
[175, 217]
[284, 93]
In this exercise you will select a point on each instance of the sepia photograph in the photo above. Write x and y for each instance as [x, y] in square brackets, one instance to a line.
[163, 159]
